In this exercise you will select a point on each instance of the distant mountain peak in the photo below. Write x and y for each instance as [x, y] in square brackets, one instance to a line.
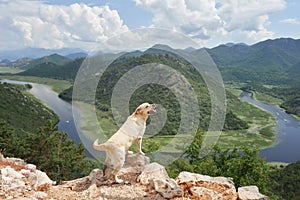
[230, 44]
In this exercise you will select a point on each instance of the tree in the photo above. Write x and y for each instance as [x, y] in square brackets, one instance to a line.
[54, 153]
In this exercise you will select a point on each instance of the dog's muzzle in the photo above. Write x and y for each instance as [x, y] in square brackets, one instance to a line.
[152, 111]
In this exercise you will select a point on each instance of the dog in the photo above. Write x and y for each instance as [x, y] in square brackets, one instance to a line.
[117, 146]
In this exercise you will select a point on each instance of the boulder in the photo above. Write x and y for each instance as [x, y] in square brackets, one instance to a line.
[134, 163]
[156, 177]
[151, 171]
[223, 187]
[36, 177]
[204, 193]
[168, 188]
[250, 193]
[12, 183]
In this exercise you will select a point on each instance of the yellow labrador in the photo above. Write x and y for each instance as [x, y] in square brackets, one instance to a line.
[117, 146]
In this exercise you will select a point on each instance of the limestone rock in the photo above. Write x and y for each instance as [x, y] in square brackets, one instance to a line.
[168, 188]
[40, 195]
[204, 193]
[92, 192]
[221, 185]
[250, 193]
[134, 163]
[142, 180]
[151, 171]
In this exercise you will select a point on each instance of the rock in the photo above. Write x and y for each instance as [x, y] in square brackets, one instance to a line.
[40, 195]
[94, 175]
[156, 176]
[224, 187]
[16, 161]
[142, 180]
[151, 171]
[9, 172]
[92, 192]
[37, 178]
[204, 193]
[31, 167]
[134, 163]
[250, 193]
[168, 188]
[12, 183]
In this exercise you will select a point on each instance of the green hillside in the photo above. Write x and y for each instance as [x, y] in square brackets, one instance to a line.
[268, 62]
[65, 71]
[286, 181]
[271, 62]
[21, 111]
[156, 93]
[54, 59]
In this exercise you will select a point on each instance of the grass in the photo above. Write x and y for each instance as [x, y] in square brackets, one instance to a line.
[10, 70]
[259, 135]
[277, 165]
[267, 98]
[251, 138]
[57, 85]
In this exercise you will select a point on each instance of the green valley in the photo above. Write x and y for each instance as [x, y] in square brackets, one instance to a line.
[21, 110]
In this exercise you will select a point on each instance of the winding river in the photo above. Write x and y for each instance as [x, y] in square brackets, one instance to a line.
[287, 148]
[62, 108]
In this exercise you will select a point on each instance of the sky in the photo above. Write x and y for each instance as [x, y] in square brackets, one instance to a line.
[54, 24]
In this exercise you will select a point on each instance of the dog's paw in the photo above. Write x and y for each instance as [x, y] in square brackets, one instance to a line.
[129, 152]
[142, 153]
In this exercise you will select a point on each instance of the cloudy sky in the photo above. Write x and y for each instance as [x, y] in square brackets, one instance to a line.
[86, 23]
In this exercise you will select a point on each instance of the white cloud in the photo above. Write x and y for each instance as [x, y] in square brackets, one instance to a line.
[204, 19]
[36, 24]
[293, 21]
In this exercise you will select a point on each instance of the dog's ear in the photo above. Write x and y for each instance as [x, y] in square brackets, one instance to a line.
[138, 111]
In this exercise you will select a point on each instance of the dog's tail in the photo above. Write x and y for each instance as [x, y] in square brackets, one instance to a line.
[100, 147]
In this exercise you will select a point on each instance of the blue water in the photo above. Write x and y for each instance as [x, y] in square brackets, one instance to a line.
[287, 148]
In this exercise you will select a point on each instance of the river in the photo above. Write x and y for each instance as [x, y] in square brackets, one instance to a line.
[287, 148]
[62, 108]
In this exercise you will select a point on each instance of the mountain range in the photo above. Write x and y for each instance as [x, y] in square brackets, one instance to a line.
[33, 53]
[270, 62]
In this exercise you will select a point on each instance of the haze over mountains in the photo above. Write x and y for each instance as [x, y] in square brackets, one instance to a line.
[13, 55]
[271, 61]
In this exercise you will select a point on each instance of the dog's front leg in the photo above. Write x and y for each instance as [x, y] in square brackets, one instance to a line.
[139, 145]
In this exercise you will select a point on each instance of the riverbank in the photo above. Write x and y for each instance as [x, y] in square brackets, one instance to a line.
[258, 136]
[56, 85]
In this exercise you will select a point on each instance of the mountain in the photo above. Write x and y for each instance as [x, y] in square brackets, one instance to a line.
[155, 92]
[19, 63]
[268, 62]
[54, 59]
[33, 53]
[55, 66]
[74, 56]
[22, 112]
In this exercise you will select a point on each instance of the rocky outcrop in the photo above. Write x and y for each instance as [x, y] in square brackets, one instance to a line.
[205, 187]
[20, 179]
[156, 177]
[250, 192]
[142, 180]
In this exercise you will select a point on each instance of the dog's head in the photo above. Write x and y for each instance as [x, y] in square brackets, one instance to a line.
[145, 109]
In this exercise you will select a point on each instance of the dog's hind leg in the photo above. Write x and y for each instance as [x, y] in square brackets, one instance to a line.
[118, 162]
